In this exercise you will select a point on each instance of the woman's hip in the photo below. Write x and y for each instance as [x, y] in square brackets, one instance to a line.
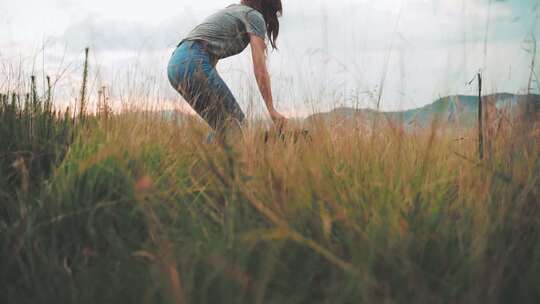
[193, 75]
[190, 54]
[188, 59]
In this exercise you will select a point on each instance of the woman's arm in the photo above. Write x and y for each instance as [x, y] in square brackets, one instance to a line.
[258, 52]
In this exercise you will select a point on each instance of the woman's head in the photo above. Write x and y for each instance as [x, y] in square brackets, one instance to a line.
[271, 10]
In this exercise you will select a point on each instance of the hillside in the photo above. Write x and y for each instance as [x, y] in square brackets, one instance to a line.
[458, 108]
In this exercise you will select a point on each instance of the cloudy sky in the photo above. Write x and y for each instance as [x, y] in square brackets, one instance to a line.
[332, 52]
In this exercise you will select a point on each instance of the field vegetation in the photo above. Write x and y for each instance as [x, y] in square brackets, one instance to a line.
[130, 208]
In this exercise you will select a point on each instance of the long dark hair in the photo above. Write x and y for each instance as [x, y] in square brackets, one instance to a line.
[271, 11]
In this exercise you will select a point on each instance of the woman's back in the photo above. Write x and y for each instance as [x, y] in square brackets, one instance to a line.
[226, 33]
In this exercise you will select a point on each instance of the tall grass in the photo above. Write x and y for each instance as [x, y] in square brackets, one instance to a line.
[136, 209]
[139, 210]
[33, 139]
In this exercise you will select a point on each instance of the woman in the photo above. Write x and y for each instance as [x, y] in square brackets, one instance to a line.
[226, 33]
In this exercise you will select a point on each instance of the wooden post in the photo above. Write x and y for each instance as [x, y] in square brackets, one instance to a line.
[531, 109]
[480, 120]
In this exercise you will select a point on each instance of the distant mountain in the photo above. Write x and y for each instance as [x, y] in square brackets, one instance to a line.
[460, 109]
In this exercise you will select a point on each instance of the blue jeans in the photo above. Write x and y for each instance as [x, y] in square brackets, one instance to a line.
[192, 73]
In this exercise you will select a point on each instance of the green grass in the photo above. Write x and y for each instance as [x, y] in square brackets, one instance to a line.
[33, 140]
[134, 209]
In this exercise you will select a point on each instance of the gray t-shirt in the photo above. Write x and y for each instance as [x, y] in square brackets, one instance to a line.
[226, 32]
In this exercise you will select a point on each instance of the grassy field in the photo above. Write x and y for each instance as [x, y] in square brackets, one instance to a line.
[134, 209]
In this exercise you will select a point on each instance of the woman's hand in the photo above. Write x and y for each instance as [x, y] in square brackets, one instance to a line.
[278, 119]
